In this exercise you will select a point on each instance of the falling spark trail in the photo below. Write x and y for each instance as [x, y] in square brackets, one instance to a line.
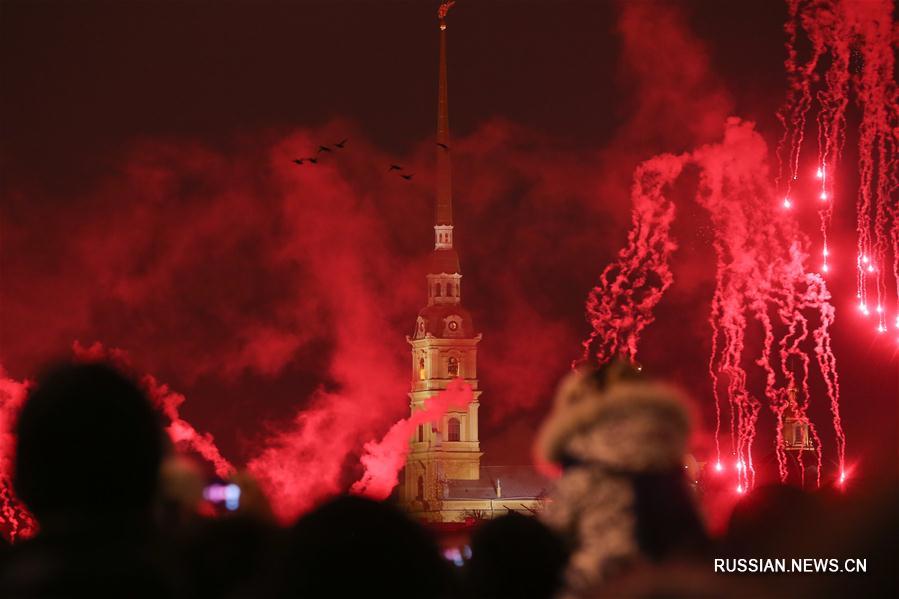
[761, 280]
[852, 43]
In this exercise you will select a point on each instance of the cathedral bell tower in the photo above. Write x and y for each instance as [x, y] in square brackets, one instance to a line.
[444, 347]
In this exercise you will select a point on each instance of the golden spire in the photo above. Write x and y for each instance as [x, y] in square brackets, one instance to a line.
[444, 206]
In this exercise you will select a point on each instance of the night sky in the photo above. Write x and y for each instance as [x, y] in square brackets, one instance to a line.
[149, 202]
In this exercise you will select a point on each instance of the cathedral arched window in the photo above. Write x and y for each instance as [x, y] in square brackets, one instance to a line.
[421, 489]
[422, 375]
[453, 430]
[421, 433]
[437, 290]
[452, 366]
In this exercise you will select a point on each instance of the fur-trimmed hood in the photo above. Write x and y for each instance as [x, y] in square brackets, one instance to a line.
[631, 426]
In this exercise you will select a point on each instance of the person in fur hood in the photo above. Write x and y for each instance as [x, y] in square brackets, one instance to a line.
[622, 499]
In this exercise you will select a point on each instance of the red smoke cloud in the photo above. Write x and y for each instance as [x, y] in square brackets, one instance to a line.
[384, 459]
[181, 432]
[14, 518]
[288, 289]
[275, 296]
[15, 521]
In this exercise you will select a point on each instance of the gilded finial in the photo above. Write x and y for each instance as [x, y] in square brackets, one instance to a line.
[441, 12]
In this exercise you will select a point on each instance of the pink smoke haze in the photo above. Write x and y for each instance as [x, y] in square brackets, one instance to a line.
[182, 433]
[384, 459]
[15, 521]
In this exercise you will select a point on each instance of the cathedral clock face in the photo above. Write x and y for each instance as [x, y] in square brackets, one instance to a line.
[453, 325]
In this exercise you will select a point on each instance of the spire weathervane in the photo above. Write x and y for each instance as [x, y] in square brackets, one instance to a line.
[441, 12]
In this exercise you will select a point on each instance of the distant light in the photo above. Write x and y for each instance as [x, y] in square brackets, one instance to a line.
[740, 466]
[881, 328]
[870, 268]
[719, 467]
[879, 309]
[787, 203]
[864, 259]
[825, 268]
[825, 252]
[823, 196]
[842, 477]
[819, 173]
[740, 489]
[232, 497]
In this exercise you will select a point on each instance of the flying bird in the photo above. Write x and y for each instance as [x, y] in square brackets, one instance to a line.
[312, 160]
[407, 177]
[394, 167]
[298, 160]
[341, 143]
[444, 146]
[323, 149]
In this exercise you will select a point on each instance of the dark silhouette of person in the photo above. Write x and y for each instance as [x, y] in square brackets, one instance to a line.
[620, 440]
[356, 547]
[225, 556]
[515, 556]
[88, 449]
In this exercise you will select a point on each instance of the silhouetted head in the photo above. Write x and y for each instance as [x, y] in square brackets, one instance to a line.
[515, 556]
[89, 443]
[356, 547]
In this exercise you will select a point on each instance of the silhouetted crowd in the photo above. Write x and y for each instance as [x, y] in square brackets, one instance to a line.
[118, 516]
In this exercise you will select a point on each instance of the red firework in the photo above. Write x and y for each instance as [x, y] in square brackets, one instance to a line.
[762, 280]
[852, 45]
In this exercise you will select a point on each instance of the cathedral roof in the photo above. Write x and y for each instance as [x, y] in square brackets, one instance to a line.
[516, 482]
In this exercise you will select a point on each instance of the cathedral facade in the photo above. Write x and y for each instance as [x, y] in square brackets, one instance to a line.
[444, 480]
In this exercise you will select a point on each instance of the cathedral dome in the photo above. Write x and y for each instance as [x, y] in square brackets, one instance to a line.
[444, 321]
